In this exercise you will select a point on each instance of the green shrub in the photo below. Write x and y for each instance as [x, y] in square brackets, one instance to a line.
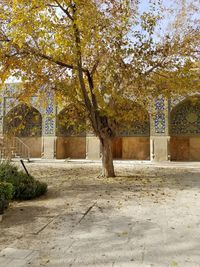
[6, 190]
[24, 186]
[8, 171]
[6, 193]
[41, 188]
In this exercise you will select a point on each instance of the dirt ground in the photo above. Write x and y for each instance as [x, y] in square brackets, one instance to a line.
[146, 216]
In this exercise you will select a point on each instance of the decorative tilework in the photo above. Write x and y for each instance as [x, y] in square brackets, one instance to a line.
[159, 119]
[49, 117]
[160, 123]
[60, 107]
[49, 127]
[185, 118]
[11, 88]
[10, 102]
[1, 125]
[139, 129]
[47, 110]
[1, 111]
[160, 104]
[23, 120]
[175, 101]
[160, 116]
[34, 101]
[1, 103]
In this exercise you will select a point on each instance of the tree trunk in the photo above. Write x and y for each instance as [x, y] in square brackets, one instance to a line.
[99, 123]
[107, 159]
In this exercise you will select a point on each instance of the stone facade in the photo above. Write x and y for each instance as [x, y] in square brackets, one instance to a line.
[171, 131]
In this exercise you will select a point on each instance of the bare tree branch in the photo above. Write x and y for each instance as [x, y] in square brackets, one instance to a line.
[65, 10]
[58, 62]
[94, 67]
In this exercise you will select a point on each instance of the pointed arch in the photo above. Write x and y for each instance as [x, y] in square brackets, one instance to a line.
[185, 117]
[132, 139]
[185, 130]
[71, 134]
[23, 121]
[70, 122]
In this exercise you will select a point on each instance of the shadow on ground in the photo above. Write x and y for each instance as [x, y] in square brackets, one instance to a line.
[145, 216]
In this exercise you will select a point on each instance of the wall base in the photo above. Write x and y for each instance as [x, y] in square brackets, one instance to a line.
[49, 147]
[93, 151]
[160, 148]
[71, 147]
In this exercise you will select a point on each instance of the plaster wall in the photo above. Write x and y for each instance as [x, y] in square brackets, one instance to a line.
[48, 144]
[185, 148]
[117, 148]
[195, 148]
[137, 148]
[34, 144]
[71, 147]
[93, 148]
[160, 148]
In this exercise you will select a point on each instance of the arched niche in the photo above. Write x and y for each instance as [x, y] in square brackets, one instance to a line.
[11, 102]
[132, 139]
[70, 124]
[185, 130]
[137, 123]
[25, 122]
[71, 134]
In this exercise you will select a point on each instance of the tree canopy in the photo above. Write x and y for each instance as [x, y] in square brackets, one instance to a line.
[100, 55]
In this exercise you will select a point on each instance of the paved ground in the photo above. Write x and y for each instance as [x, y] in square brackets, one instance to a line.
[148, 216]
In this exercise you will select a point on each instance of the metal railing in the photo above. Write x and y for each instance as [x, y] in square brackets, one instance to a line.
[13, 147]
[21, 148]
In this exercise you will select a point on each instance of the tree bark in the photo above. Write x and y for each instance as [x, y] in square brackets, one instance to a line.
[99, 123]
[107, 157]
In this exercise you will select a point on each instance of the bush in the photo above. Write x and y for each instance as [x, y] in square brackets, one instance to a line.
[8, 171]
[24, 186]
[6, 193]
[6, 190]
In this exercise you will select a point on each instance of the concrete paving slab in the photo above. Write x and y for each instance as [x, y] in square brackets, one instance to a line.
[17, 263]
[148, 216]
[4, 261]
[15, 253]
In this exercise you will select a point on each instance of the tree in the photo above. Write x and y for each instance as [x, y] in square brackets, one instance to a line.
[97, 54]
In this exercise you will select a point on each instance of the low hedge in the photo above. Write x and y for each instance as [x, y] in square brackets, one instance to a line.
[6, 190]
[6, 194]
[24, 186]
